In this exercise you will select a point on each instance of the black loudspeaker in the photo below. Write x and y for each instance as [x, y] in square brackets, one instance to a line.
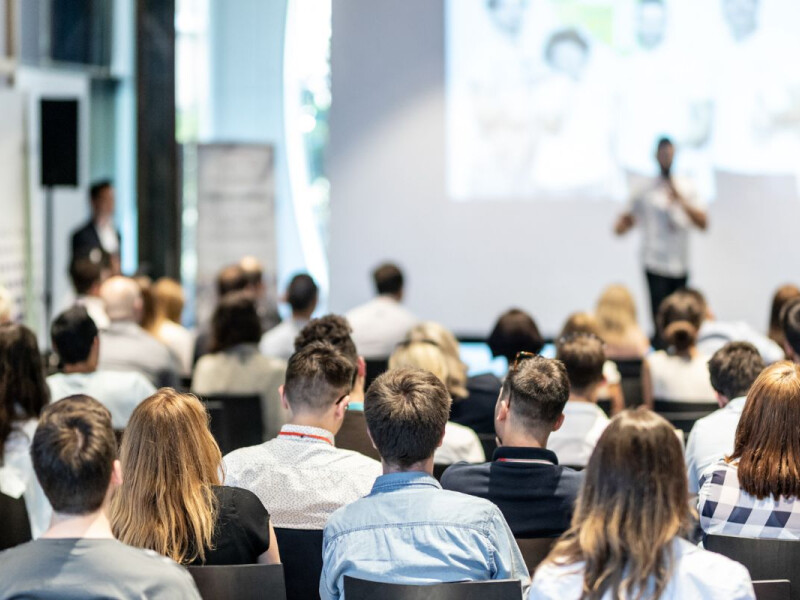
[59, 142]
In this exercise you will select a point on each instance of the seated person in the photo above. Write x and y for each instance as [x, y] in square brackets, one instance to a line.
[75, 456]
[790, 319]
[617, 325]
[87, 276]
[230, 279]
[168, 301]
[780, 299]
[755, 492]
[184, 513]
[302, 296]
[626, 535]
[584, 422]
[534, 493]
[300, 475]
[76, 341]
[733, 369]
[454, 537]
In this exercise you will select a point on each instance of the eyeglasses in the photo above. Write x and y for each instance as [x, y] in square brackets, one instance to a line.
[341, 398]
[521, 357]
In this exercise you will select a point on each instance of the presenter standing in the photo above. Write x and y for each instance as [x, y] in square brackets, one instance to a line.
[667, 208]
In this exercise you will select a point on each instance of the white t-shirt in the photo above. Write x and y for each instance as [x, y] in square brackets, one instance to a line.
[379, 325]
[180, 341]
[460, 443]
[711, 439]
[279, 341]
[584, 423]
[679, 378]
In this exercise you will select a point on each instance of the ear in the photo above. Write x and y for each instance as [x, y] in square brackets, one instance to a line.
[441, 440]
[284, 402]
[362, 367]
[116, 474]
[96, 344]
[721, 400]
[501, 410]
[341, 408]
[559, 422]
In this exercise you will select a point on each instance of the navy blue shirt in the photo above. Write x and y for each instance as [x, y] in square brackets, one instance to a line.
[476, 411]
[535, 494]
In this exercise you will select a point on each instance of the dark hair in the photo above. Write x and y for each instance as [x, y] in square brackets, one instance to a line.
[679, 318]
[782, 296]
[388, 279]
[73, 333]
[232, 278]
[235, 321]
[97, 188]
[664, 141]
[23, 389]
[569, 34]
[317, 376]
[514, 332]
[73, 454]
[583, 357]
[84, 274]
[790, 320]
[302, 292]
[333, 329]
[734, 368]
[537, 390]
[406, 412]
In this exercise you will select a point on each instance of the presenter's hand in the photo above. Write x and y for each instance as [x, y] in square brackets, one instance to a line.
[624, 224]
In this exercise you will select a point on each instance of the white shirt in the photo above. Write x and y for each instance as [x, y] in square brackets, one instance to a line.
[584, 423]
[697, 575]
[119, 391]
[180, 341]
[714, 335]
[679, 378]
[460, 443]
[96, 309]
[300, 476]
[711, 439]
[108, 236]
[379, 325]
[279, 341]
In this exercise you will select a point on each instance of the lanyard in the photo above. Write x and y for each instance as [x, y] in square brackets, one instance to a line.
[305, 435]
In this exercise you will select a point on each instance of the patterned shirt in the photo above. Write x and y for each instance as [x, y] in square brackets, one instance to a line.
[300, 477]
[726, 509]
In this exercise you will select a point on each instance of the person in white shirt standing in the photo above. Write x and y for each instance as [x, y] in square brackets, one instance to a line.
[302, 295]
[667, 210]
[382, 323]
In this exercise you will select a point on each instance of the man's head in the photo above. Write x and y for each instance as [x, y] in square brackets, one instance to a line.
[254, 275]
[169, 299]
[406, 412]
[567, 52]
[101, 197]
[583, 357]
[741, 17]
[514, 332]
[335, 330]
[74, 335]
[74, 454]
[232, 278]
[665, 155]
[123, 298]
[302, 295]
[388, 279]
[790, 320]
[86, 276]
[651, 23]
[733, 369]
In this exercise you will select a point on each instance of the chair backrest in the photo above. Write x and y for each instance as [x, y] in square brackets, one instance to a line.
[353, 435]
[243, 582]
[765, 559]
[605, 406]
[16, 528]
[360, 589]
[438, 471]
[535, 550]
[630, 372]
[375, 367]
[489, 443]
[777, 589]
[301, 555]
[235, 420]
[683, 415]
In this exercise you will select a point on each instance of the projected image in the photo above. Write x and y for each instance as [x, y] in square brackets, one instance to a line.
[565, 98]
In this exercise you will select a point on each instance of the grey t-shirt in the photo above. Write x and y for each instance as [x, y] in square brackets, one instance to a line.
[84, 569]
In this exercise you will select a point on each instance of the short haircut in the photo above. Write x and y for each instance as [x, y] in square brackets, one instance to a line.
[663, 141]
[333, 329]
[85, 274]
[97, 188]
[406, 412]
[302, 292]
[583, 357]
[317, 376]
[514, 332]
[537, 390]
[73, 454]
[734, 368]
[235, 321]
[790, 320]
[169, 299]
[570, 35]
[73, 332]
[232, 278]
[388, 279]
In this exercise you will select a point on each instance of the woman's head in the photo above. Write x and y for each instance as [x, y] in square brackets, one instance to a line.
[679, 318]
[235, 322]
[515, 332]
[448, 344]
[767, 443]
[423, 354]
[615, 312]
[169, 299]
[170, 462]
[782, 296]
[580, 323]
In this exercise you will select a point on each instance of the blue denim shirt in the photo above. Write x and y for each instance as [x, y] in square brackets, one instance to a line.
[409, 530]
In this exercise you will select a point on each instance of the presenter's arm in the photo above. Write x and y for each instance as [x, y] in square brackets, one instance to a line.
[625, 222]
[697, 216]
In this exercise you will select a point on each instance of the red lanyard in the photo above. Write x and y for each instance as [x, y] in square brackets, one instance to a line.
[305, 435]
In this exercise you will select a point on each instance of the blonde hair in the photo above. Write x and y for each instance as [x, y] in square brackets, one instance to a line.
[425, 355]
[171, 461]
[581, 322]
[616, 314]
[169, 299]
[456, 370]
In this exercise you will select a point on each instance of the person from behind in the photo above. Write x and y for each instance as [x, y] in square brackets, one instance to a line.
[23, 395]
[172, 500]
[383, 322]
[733, 369]
[168, 300]
[514, 332]
[535, 494]
[626, 538]
[99, 240]
[618, 325]
[87, 277]
[782, 296]
[6, 306]
[301, 296]
[790, 319]
[75, 456]
[300, 475]
[230, 279]
[266, 302]
[755, 492]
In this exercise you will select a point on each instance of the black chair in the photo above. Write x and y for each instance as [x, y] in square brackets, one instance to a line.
[301, 555]
[244, 582]
[375, 367]
[16, 528]
[630, 372]
[535, 550]
[765, 559]
[605, 406]
[489, 443]
[353, 435]
[360, 589]
[683, 415]
[235, 420]
[438, 471]
[779, 589]
[185, 381]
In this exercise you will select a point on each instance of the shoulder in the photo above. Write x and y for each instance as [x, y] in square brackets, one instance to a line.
[463, 476]
[361, 465]
[557, 581]
[244, 457]
[693, 564]
[239, 500]
[570, 480]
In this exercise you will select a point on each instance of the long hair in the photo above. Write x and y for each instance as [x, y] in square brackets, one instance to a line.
[782, 295]
[633, 503]
[616, 314]
[679, 318]
[456, 369]
[422, 354]
[171, 461]
[767, 445]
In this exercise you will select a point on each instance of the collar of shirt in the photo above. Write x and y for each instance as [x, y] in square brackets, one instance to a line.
[305, 433]
[579, 406]
[526, 454]
[737, 404]
[406, 479]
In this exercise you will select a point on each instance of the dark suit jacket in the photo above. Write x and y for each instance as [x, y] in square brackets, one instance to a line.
[85, 239]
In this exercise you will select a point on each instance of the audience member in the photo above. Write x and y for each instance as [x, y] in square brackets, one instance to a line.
[790, 318]
[75, 456]
[87, 277]
[680, 373]
[301, 476]
[147, 316]
[185, 513]
[460, 443]
[125, 346]
[406, 412]
[755, 492]
[626, 535]
[266, 302]
[525, 481]
[169, 300]
[515, 332]
[733, 369]
[230, 279]
[584, 423]
[23, 395]
[6, 306]
[235, 366]
[75, 339]
[618, 326]
[383, 322]
[99, 240]
[782, 296]
[302, 298]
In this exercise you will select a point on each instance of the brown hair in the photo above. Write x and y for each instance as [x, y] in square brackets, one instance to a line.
[734, 368]
[515, 331]
[580, 322]
[632, 504]
[767, 444]
[583, 357]
[317, 375]
[388, 279]
[679, 318]
[169, 299]
[790, 321]
[537, 390]
[782, 295]
[235, 321]
[333, 329]
[149, 317]
[406, 412]
[171, 461]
